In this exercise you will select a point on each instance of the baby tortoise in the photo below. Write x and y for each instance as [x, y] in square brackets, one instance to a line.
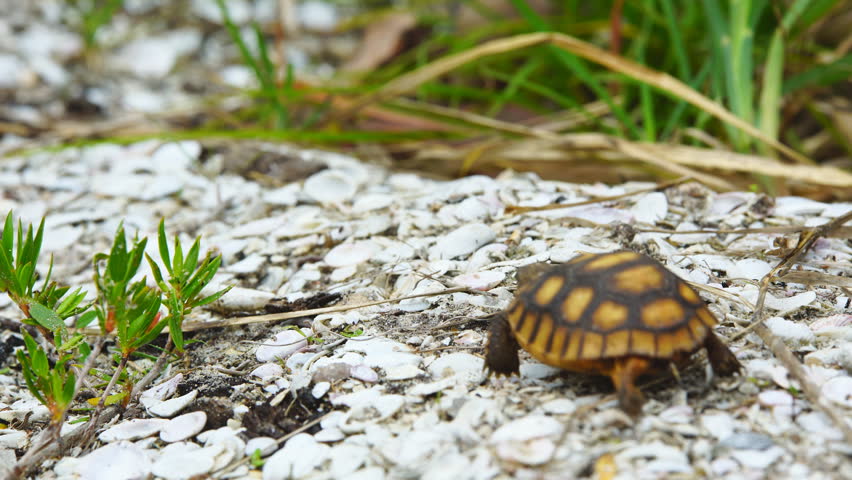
[619, 314]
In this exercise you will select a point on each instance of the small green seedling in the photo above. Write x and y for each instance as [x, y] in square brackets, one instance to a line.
[187, 277]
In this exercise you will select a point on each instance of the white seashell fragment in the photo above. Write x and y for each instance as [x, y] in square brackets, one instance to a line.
[402, 372]
[537, 371]
[461, 241]
[655, 450]
[719, 425]
[750, 268]
[266, 445]
[796, 206]
[133, 429]
[286, 196]
[343, 273]
[170, 408]
[819, 423]
[242, 299]
[537, 451]
[372, 201]
[153, 57]
[527, 440]
[60, 238]
[421, 303]
[383, 353]
[559, 406]
[345, 459]
[158, 393]
[183, 427]
[483, 281]
[317, 16]
[258, 228]
[459, 363]
[832, 325]
[226, 437]
[330, 187]
[329, 435]
[121, 460]
[467, 337]
[185, 460]
[320, 389]
[528, 428]
[790, 331]
[299, 457]
[651, 208]
[11, 438]
[364, 373]
[267, 370]
[775, 398]
[353, 253]
[758, 459]
[283, 345]
[25, 408]
[251, 264]
[839, 390]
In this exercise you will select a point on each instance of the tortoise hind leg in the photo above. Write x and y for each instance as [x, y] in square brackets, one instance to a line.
[624, 374]
[721, 358]
[501, 350]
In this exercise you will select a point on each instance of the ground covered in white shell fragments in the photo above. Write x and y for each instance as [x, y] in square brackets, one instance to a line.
[397, 390]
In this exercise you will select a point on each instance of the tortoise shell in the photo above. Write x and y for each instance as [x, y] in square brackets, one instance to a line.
[619, 314]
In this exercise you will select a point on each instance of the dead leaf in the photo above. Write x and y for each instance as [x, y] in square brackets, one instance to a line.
[382, 40]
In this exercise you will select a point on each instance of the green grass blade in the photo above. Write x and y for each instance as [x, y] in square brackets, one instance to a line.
[770, 95]
[511, 89]
[821, 75]
[577, 67]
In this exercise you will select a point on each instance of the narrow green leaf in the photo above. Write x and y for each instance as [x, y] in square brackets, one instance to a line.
[192, 256]
[175, 331]
[149, 336]
[68, 390]
[839, 70]
[117, 263]
[163, 241]
[29, 376]
[56, 385]
[155, 270]
[177, 259]
[39, 361]
[8, 235]
[36, 245]
[770, 95]
[212, 298]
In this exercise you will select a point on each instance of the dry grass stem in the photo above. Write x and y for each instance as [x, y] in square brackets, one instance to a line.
[662, 81]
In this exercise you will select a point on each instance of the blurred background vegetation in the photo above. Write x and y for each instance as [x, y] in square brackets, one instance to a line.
[459, 87]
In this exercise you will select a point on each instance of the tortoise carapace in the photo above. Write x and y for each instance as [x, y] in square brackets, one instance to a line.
[620, 314]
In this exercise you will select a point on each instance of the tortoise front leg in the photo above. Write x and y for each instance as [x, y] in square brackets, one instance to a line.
[501, 349]
[721, 358]
[624, 373]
